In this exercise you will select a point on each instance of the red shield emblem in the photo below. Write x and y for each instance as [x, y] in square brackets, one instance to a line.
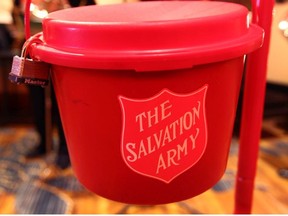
[165, 135]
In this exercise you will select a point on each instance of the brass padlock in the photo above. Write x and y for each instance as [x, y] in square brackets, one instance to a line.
[29, 71]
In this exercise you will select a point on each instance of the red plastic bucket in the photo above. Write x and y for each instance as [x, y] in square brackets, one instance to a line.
[147, 93]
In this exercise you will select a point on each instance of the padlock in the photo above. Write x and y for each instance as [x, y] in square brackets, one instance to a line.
[29, 71]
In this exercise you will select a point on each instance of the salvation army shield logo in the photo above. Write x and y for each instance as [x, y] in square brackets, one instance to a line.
[165, 135]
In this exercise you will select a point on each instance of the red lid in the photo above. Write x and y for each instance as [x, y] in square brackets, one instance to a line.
[147, 35]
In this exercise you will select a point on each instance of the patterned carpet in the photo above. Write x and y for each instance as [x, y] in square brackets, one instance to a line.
[37, 192]
[34, 194]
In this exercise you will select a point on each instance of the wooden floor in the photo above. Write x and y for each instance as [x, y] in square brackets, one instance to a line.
[270, 194]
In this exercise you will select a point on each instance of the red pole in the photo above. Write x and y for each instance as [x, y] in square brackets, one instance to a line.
[252, 110]
[47, 91]
[27, 19]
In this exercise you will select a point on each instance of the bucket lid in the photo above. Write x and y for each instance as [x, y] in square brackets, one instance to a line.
[147, 36]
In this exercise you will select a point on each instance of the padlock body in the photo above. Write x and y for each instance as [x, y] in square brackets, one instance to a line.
[17, 65]
[28, 71]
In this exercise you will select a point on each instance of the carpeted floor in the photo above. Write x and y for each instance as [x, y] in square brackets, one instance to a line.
[38, 189]
[27, 180]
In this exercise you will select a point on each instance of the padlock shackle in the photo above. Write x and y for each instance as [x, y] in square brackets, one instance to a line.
[35, 39]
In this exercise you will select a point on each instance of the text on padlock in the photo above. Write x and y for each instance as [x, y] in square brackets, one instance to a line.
[28, 71]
